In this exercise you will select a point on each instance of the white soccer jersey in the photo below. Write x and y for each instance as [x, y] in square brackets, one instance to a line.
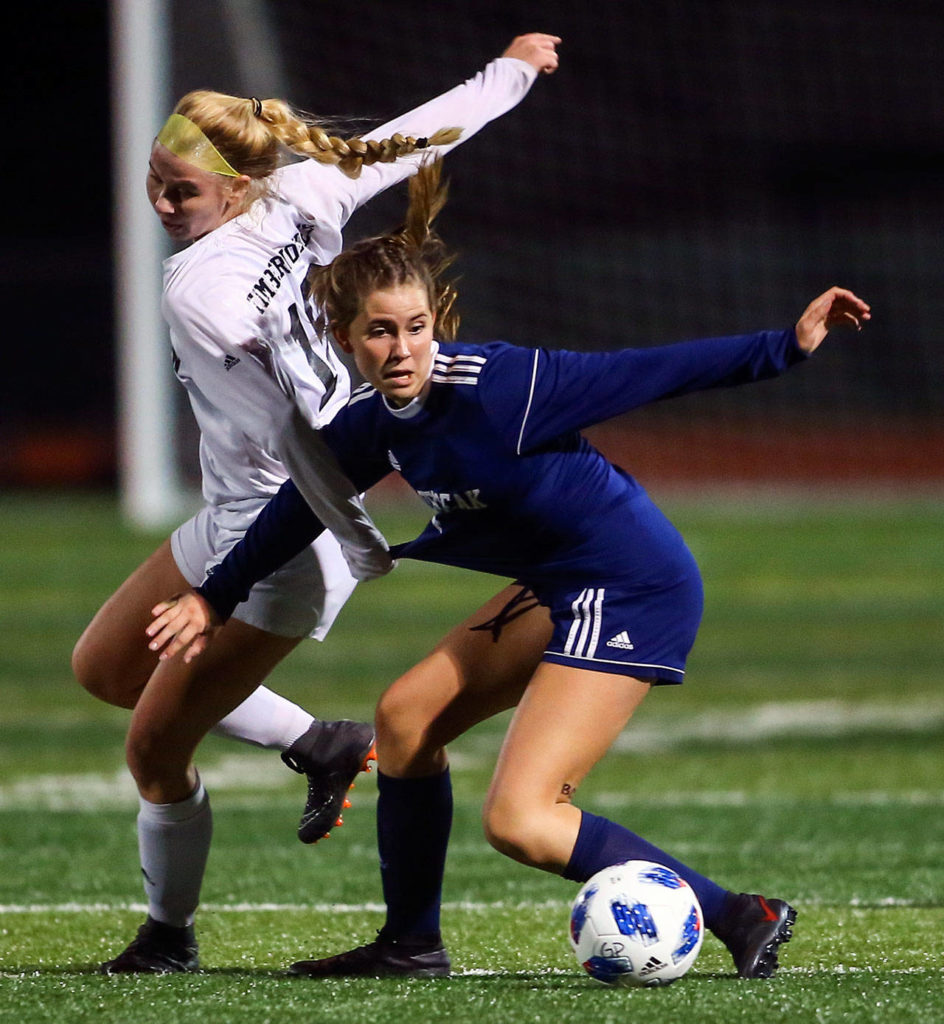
[260, 377]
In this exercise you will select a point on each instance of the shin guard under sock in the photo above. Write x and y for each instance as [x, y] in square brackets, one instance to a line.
[601, 842]
[414, 817]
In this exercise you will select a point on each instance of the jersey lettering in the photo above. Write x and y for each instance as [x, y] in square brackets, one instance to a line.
[466, 501]
[277, 269]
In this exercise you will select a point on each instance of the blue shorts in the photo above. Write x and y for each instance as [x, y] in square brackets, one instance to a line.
[641, 631]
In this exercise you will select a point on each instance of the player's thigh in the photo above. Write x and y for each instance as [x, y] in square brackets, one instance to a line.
[182, 702]
[478, 669]
[111, 658]
[566, 720]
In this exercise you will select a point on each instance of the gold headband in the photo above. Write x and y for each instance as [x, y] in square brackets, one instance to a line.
[186, 140]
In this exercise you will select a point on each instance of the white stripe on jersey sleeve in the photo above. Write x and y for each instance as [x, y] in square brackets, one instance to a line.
[360, 393]
[534, 376]
[458, 369]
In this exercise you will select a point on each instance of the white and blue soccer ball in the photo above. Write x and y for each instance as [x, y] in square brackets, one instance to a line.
[636, 923]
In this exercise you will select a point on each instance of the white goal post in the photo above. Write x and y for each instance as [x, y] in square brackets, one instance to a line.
[146, 73]
[149, 484]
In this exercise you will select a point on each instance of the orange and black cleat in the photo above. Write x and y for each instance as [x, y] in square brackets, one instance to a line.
[330, 754]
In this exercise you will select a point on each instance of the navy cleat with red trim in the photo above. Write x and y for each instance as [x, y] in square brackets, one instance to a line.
[754, 929]
[158, 948]
[381, 958]
[330, 754]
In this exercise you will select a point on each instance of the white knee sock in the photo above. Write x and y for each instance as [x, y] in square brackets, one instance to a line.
[174, 843]
[265, 719]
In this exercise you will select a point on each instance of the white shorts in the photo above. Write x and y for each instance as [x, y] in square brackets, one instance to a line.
[302, 598]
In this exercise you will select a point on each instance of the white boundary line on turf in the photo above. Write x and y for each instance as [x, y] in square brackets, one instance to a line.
[820, 719]
[483, 972]
[242, 908]
[469, 906]
[739, 798]
[810, 972]
[253, 772]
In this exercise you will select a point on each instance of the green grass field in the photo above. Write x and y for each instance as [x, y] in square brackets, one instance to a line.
[803, 758]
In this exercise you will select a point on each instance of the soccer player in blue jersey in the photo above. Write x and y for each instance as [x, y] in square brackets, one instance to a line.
[489, 436]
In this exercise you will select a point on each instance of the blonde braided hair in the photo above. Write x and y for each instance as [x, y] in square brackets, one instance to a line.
[251, 132]
[412, 253]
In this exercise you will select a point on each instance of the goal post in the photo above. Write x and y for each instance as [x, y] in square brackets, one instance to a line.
[159, 51]
[149, 482]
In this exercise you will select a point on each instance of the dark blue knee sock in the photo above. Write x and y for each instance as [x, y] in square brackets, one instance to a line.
[601, 842]
[414, 817]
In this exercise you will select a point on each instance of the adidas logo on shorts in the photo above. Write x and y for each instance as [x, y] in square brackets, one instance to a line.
[622, 641]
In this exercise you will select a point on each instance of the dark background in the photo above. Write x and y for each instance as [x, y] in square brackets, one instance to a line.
[694, 168]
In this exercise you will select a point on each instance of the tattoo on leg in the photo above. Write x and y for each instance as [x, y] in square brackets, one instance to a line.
[568, 791]
[519, 605]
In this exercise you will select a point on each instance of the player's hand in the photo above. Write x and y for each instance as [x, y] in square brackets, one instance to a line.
[836, 308]
[537, 49]
[185, 623]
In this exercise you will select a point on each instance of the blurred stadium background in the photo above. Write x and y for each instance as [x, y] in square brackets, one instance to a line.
[696, 167]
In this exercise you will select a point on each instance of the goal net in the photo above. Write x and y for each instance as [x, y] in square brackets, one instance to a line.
[696, 167]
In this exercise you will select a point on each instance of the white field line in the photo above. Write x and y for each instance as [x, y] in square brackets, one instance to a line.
[468, 906]
[463, 906]
[739, 798]
[95, 790]
[808, 972]
[263, 771]
[790, 719]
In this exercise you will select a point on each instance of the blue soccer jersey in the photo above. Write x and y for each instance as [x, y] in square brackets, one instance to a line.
[493, 447]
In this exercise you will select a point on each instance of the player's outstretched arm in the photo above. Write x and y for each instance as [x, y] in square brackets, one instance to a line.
[185, 622]
[837, 307]
[537, 49]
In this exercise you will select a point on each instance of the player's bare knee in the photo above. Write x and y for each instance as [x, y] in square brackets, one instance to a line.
[90, 671]
[401, 731]
[155, 761]
[139, 758]
[105, 674]
[510, 831]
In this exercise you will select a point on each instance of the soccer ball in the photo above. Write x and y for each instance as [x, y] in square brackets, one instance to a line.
[636, 923]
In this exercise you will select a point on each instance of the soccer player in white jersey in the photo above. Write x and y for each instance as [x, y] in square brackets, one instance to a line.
[489, 436]
[257, 194]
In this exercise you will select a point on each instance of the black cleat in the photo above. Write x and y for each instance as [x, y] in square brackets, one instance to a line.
[331, 754]
[754, 929]
[158, 948]
[378, 959]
